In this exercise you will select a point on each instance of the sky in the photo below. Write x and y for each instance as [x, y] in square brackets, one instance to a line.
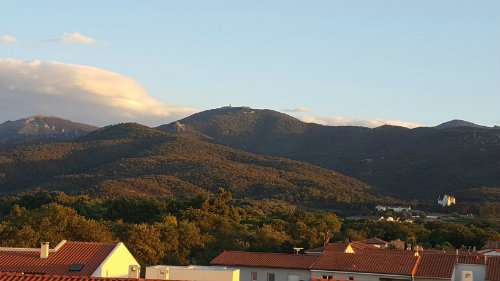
[368, 63]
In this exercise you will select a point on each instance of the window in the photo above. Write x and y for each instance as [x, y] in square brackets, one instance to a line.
[327, 277]
[76, 267]
[254, 276]
[271, 277]
[467, 276]
[351, 278]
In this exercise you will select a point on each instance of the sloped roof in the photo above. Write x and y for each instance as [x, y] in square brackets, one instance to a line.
[493, 269]
[37, 277]
[341, 247]
[90, 254]
[374, 241]
[436, 265]
[259, 259]
[373, 263]
[332, 247]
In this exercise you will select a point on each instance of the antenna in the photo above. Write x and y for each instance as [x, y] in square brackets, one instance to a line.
[297, 250]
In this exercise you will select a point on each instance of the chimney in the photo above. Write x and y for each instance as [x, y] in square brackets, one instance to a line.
[44, 250]
[133, 271]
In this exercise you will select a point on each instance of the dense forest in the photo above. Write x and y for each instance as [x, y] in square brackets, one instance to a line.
[193, 231]
[135, 160]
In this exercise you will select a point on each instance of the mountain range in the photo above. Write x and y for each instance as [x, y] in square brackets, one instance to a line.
[41, 126]
[235, 148]
[134, 160]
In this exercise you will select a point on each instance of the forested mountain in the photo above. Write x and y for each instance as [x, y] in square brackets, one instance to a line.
[41, 126]
[420, 163]
[134, 160]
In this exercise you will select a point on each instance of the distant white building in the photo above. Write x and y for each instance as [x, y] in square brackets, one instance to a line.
[447, 200]
[397, 209]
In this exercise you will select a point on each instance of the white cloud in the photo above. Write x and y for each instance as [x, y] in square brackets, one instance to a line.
[9, 39]
[76, 38]
[370, 123]
[299, 109]
[81, 93]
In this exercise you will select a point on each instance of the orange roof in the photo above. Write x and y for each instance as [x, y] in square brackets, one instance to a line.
[374, 241]
[373, 263]
[259, 259]
[37, 277]
[90, 254]
[493, 269]
[434, 265]
[332, 247]
[341, 247]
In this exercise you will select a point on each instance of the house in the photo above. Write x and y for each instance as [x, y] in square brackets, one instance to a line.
[397, 209]
[6, 276]
[192, 272]
[375, 242]
[367, 265]
[490, 252]
[351, 247]
[397, 244]
[70, 259]
[257, 266]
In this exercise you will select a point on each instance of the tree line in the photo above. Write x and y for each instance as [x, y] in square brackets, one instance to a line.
[194, 231]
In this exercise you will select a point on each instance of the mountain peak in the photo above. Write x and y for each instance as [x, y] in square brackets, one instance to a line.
[458, 123]
[122, 131]
[43, 126]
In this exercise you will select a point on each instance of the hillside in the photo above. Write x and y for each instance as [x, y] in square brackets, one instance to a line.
[420, 163]
[134, 160]
[41, 126]
[458, 123]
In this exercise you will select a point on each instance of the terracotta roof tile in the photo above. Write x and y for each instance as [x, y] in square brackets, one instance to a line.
[259, 259]
[493, 269]
[332, 247]
[436, 265]
[374, 241]
[90, 254]
[373, 263]
[38, 277]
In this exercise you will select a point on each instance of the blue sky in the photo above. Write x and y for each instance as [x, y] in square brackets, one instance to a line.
[423, 62]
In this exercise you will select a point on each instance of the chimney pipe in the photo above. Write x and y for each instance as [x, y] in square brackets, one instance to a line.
[44, 250]
[133, 271]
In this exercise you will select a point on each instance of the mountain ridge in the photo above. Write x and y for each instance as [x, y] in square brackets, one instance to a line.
[426, 161]
[43, 126]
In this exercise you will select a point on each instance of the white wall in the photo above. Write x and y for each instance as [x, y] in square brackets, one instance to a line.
[281, 274]
[478, 271]
[186, 273]
[116, 264]
[356, 276]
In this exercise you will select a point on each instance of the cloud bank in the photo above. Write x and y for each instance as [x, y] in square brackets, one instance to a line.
[297, 110]
[80, 93]
[370, 123]
[9, 39]
[76, 37]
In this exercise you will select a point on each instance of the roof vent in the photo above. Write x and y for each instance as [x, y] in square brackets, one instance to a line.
[76, 267]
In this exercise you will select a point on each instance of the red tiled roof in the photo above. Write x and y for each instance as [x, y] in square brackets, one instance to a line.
[493, 269]
[434, 265]
[374, 241]
[372, 263]
[341, 247]
[90, 254]
[259, 259]
[38, 277]
[332, 247]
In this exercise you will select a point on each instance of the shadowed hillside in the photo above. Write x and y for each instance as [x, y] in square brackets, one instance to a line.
[406, 163]
[134, 160]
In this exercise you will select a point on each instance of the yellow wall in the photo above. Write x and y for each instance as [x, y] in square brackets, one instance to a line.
[117, 263]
